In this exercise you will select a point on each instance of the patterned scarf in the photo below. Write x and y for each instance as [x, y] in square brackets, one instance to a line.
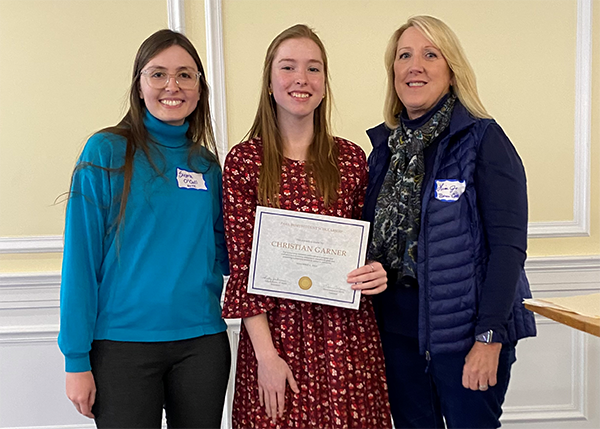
[398, 209]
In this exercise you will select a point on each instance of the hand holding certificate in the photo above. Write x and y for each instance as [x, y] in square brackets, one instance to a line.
[306, 257]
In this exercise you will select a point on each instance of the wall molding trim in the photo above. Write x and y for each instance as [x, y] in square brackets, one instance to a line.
[29, 291]
[573, 274]
[546, 274]
[561, 263]
[28, 334]
[84, 426]
[32, 244]
[580, 225]
[29, 280]
[215, 65]
[575, 409]
[176, 15]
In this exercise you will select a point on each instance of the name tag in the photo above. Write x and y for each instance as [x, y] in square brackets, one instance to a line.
[190, 180]
[449, 190]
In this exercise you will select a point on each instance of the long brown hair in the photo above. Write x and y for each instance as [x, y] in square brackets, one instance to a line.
[322, 162]
[132, 127]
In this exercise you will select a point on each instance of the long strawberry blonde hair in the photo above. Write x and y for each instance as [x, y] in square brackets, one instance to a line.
[322, 160]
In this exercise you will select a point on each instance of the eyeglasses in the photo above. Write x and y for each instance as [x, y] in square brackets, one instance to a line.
[159, 79]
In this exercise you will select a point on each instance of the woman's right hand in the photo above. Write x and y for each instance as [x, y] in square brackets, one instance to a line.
[81, 391]
[273, 372]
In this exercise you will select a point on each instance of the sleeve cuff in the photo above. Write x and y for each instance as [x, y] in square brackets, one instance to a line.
[80, 363]
[242, 311]
[500, 334]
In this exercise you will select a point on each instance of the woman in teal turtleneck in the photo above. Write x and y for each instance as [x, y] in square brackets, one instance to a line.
[145, 255]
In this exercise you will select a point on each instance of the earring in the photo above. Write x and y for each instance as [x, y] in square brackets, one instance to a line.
[270, 92]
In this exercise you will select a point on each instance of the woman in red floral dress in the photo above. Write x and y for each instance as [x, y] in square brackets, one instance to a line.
[300, 365]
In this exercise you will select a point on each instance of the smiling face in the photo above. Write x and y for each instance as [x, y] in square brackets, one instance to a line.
[421, 75]
[170, 104]
[297, 79]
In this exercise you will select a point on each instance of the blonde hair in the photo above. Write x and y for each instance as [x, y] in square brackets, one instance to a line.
[464, 81]
[322, 162]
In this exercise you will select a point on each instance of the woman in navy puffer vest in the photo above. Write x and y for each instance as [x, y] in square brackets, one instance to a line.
[447, 199]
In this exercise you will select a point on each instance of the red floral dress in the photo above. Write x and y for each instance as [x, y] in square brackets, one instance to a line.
[334, 353]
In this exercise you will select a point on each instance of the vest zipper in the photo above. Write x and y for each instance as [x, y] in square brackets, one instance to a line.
[426, 286]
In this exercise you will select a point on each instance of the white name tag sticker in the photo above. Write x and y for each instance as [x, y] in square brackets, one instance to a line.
[449, 190]
[190, 180]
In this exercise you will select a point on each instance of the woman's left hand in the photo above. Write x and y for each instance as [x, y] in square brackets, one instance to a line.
[370, 279]
[481, 365]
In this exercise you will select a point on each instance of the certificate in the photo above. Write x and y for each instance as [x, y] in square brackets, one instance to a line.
[306, 257]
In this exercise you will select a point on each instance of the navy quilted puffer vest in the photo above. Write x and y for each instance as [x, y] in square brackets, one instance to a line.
[452, 255]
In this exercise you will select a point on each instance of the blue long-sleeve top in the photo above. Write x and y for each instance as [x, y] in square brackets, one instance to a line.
[500, 185]
[160, 277]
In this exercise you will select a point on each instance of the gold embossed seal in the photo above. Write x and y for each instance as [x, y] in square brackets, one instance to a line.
[305, 283]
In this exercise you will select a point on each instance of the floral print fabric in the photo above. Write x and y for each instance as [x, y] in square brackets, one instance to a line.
[334, 354]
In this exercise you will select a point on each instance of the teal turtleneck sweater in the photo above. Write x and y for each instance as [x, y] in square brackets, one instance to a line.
[160, 278]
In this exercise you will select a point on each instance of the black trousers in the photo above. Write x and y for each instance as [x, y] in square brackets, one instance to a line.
[426, 396]
[135, 380]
